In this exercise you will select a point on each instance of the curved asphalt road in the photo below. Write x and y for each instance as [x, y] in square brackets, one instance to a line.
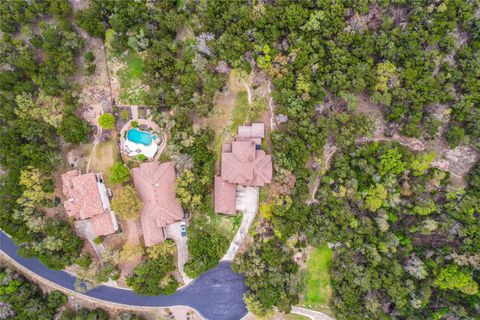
[217, 294]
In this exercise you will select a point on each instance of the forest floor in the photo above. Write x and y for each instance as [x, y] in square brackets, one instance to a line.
[457, 161]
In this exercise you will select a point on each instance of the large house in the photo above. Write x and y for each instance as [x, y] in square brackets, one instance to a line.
[88, 202]
[155, 184]
[243, 164]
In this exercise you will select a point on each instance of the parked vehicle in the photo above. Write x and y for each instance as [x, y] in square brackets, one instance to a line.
[183, 229]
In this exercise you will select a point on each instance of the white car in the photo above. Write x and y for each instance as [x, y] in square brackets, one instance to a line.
[183, 229]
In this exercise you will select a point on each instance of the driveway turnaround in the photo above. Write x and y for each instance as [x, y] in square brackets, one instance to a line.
[216, 294]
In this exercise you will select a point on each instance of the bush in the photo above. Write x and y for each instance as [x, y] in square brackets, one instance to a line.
[152, 278]
[98, 240]
[124, 115]
[89, 56]
[142, 158]
[134, 124]
[169, 285]
[205, 250]
[85, 260]
[455, 136]
[119, 173]
[73, 129]
[106, 121]
[126, 203]
[90, 69]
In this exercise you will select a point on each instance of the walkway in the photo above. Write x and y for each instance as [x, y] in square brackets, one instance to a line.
[216, 294]
[314, 315]
[247, 201]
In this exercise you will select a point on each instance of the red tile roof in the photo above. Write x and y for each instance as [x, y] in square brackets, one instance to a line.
[224, 197]
[82, 192]
[242, 164]
[102, 224]
[256, 130]
[84, 202]
[155, 183]
[246, 166]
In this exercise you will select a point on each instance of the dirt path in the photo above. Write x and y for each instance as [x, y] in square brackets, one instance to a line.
[411, 143]
[249, 94]
[328, 151]
[95, 90]
[271, 106]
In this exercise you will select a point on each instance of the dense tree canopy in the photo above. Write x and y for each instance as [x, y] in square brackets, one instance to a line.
[38, 50]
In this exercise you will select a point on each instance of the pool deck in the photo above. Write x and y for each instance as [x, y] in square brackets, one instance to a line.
[147, 122]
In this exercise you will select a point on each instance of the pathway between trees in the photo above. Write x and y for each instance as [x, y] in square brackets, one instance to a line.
[312, 314]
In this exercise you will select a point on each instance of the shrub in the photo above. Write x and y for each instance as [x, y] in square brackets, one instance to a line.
[119, 173]
[89, 56]
[134, 123]
[85, 260]
[90, 69]
[152, 277]
[106, 121]
[124, 114]
[142, 158]
[455, 136]
[126, 203]
[73, 129]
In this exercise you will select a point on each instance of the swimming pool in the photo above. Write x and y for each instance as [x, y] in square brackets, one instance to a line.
[138, 136]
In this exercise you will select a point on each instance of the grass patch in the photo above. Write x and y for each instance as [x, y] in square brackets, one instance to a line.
[317, 292]
[132, 89]
[240, 111]
[225, 225]
[264, 193]
[106, 153]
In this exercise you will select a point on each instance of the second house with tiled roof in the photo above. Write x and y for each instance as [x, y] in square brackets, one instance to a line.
[155, 184]
[88, 202]
[244, 164]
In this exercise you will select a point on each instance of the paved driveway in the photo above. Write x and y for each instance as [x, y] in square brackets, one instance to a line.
[216, 294]
[247, 201]
[172, 231]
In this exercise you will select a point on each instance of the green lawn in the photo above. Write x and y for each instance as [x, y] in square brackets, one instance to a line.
[240, 111]
[317, 279]
[224, 224]
[132, 90]
[106, 153]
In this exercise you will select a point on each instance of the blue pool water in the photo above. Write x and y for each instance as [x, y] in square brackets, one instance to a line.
[138, 136]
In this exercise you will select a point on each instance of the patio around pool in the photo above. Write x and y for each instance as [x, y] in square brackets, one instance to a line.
[135, 141]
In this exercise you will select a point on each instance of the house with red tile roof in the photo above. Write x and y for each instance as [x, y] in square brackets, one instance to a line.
[244, 164]
[88, 202]
[155, 184]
